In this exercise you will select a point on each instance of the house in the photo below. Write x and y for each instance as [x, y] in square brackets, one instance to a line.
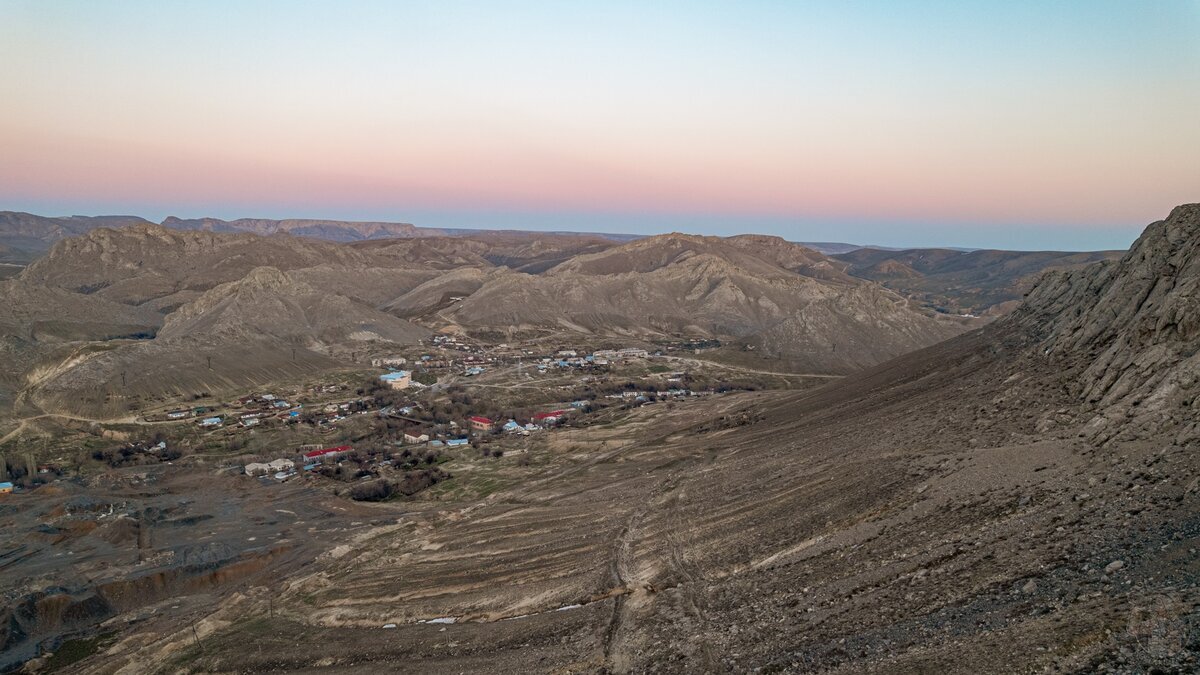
[480, 423]
[633, 353]
[257, 468]
[511, 426]
[551, 417]
[415, 436]
[399, 379]
[456, 442]
[177, 414]
[436, 445]
[250, 421]
[473, 370]
[327, 452]
[389, 362]
[282, 465]
[567, 352]
[210, 422]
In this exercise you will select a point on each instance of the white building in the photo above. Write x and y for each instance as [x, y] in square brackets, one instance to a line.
[397, 380]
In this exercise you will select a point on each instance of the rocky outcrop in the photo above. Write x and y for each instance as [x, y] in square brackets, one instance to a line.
[1128, 332]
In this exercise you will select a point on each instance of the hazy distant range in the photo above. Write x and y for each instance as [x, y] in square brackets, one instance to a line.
[24, 236]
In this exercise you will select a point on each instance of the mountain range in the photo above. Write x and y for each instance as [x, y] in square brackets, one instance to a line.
[174, 303]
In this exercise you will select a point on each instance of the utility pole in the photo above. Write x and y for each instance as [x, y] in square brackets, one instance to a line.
[210, 363]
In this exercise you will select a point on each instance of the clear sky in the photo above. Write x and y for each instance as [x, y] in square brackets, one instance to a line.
[1009, 124]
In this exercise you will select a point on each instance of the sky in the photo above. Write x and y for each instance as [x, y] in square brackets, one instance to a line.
[1067, 125]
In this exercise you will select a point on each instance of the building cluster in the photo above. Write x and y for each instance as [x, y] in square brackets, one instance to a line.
[571, 358]
[307, 457]
[398, 379]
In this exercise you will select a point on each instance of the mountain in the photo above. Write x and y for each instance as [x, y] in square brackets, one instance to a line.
[1127, 332]
[790, 301]
[331, 230]
[24, 236]
[268, 303]
[265, 327]
[153, 263]
[963, 282]
[235, 310]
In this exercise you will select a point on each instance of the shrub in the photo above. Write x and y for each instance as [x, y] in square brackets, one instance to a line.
[372, 491]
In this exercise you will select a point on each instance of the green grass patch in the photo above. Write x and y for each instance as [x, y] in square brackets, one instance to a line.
[73, 651]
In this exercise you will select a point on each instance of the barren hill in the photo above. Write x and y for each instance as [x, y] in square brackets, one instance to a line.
[791, 301]
[267, 303]
[151, 262]
[38, 321]
[262, 328]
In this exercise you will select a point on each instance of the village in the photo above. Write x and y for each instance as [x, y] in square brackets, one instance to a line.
[418, 417]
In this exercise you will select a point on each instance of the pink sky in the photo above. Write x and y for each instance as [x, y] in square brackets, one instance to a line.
[1062, 117]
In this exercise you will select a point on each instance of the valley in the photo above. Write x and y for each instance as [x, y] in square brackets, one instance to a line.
[236, 453]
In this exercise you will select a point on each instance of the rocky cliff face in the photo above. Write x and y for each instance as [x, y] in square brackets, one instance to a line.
[1127, 333]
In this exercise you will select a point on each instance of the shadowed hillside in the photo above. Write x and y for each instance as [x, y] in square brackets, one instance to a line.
[983, 282]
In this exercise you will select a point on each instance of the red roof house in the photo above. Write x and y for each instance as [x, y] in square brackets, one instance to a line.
[328, 452]
[480, 423]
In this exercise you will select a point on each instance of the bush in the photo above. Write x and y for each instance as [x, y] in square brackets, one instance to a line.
[372, 491]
